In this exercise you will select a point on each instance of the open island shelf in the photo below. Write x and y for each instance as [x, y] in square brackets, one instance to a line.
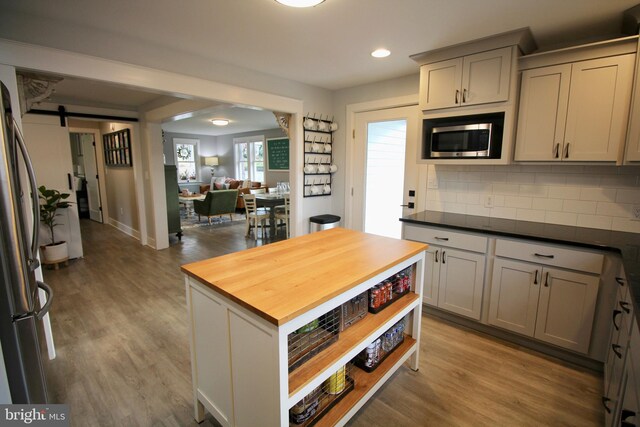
[240, 320]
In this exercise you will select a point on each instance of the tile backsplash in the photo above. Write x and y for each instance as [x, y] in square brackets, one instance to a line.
[604, 197]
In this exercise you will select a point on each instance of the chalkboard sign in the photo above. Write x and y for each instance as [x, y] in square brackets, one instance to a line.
[278, 154]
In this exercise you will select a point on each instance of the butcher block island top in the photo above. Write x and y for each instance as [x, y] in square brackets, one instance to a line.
[280, 281]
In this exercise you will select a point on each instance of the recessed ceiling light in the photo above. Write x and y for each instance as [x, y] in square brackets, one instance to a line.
[300, 3]
[220, 122]
[381, 53]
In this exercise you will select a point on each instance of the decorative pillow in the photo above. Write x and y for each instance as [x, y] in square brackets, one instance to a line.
[218, 185]
[234, 184]
[246, 184]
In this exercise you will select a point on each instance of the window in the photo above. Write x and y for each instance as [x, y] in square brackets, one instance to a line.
[186, 153]
[249, 158]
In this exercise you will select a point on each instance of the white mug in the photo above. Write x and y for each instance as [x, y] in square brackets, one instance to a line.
[322, 168]
[334, 126]
[327, 147]
[309, 123]
[333, 168]
[322, 125]
[309, 168]
[326, 189]
[316, 148]
[315, 189]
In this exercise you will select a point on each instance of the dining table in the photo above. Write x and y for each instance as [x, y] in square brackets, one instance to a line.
[187, 201]
[270, 200]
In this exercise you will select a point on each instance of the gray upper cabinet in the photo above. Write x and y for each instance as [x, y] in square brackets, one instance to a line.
[575, 111]
[470, 80]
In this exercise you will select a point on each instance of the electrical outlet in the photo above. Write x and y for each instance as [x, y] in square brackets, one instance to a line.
[488, 201]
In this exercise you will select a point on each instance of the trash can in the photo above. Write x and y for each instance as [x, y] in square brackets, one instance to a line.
[323, 222]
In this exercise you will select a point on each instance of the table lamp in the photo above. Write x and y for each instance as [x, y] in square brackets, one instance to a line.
[211, 161]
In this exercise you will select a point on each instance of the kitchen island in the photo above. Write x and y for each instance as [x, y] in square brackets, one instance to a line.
[245, 307]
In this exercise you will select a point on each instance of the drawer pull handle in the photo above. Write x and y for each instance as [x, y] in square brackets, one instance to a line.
[606, 400]
[615, 314]
[444, 239]
[436, 256]
[544, 256]
[566, 153]
[625, 306]
[626, 413]
[546, 280]
[557, 151]
[620, 281]
[616, 349]
[444, 259]
[457, 95]
[535, 278]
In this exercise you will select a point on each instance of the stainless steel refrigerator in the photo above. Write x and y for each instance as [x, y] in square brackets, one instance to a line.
[20, 310]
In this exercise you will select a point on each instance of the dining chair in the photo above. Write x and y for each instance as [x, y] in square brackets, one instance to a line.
[255, 217]
[282, 213]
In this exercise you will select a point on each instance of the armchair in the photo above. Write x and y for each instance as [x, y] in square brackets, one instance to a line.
[216, 203]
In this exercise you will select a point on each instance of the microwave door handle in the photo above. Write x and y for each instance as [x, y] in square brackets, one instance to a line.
[35, 202]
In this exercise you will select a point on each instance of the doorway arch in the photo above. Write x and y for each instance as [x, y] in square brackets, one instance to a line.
[38, 58]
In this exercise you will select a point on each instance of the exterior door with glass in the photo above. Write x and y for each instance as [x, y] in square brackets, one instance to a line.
[384, 176]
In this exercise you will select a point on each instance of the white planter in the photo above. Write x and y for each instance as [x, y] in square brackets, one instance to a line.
[54, 253]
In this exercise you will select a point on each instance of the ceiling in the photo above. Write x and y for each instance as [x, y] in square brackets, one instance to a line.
[326, 46]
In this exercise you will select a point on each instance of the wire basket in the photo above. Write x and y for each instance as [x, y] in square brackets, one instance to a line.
[317, 403]
[313, 337]
[353, 310]
[390, 290]
[372, 356]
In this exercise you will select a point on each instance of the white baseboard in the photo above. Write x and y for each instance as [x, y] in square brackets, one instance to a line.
[151, 242]
[125, 228]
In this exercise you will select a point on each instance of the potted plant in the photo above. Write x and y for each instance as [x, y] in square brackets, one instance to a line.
[50, 201]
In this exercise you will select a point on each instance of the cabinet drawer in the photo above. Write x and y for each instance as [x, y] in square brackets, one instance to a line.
[441, 237]
[550, 255]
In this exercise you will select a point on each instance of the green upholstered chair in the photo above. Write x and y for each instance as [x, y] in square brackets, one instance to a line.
[216, 203]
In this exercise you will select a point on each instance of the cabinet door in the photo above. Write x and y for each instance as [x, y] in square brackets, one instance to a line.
[598, 108]
[544, 97]
[461, 282]
[431, 275]
[633, 137]
[566, 309]
[486, 77]
[440, 84]
[515, 288]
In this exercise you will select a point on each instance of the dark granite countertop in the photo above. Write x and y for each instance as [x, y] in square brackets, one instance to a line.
[625, 244]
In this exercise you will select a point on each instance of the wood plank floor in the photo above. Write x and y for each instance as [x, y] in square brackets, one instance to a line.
[119, 323]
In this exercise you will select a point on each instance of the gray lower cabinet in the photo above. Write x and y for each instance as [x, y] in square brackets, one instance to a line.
[621, 399]
[454, 269]
[550, 304]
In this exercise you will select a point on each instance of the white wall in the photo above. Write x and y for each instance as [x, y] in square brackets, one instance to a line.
[121, 188]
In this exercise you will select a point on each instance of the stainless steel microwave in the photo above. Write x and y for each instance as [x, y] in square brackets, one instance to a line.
[477, 136]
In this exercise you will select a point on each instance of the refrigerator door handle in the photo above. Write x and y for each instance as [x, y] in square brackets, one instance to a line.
[35, 202]
[45, 308]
